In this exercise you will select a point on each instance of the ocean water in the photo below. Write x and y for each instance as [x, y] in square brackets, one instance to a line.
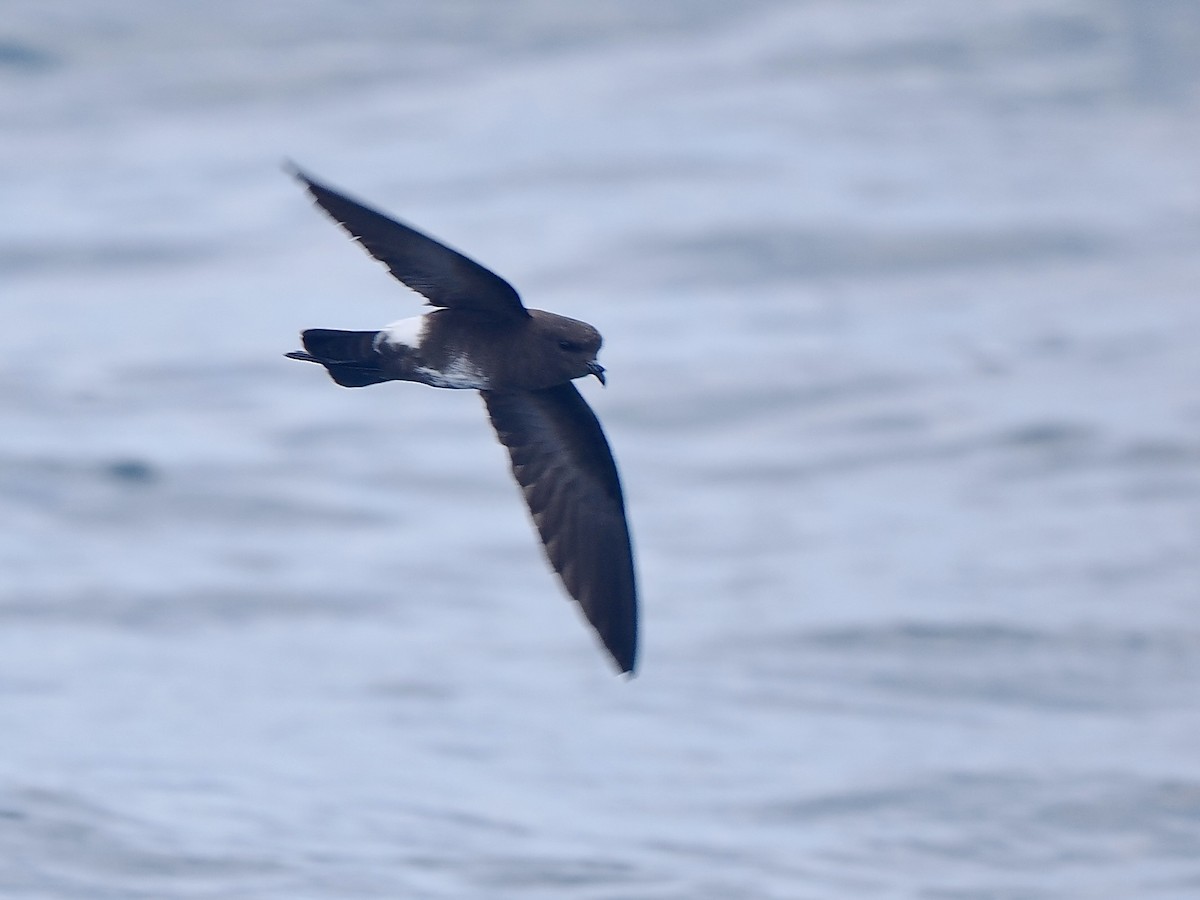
[903, 332]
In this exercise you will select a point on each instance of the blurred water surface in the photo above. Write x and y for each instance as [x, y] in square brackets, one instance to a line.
[901, 313]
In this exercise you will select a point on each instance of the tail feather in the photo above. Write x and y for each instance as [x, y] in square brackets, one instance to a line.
[348, 356]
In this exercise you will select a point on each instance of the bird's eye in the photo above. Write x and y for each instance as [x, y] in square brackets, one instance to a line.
[569, 345]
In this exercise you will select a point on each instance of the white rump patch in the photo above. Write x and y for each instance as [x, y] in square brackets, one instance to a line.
[406, 332]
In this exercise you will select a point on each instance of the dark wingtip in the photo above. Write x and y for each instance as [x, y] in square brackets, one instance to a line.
[291, 167]
[624, 655]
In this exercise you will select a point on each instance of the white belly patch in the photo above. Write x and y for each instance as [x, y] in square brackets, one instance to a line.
[460, 373]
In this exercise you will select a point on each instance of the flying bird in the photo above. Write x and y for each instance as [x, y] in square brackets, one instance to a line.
[480, 336]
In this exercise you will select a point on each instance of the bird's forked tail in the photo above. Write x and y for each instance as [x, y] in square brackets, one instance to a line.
[350, 357]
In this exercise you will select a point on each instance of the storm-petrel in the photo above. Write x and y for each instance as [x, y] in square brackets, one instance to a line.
[522, 361]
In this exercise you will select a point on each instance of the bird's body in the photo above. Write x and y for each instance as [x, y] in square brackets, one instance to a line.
[481, 337]
[464, 349]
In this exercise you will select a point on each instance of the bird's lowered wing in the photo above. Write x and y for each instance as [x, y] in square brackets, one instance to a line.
[563, 463]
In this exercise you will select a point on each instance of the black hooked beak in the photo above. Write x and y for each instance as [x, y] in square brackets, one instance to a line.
[594, 368]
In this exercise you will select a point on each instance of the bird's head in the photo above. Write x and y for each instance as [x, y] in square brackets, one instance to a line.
[568, 345]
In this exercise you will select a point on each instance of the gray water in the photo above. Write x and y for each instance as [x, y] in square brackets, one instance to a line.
[901, 318]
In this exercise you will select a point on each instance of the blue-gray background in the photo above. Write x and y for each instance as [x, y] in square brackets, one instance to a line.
[901, 312]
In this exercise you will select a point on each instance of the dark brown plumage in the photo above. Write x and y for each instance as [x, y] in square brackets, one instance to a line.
[566, 471]
[522, 361]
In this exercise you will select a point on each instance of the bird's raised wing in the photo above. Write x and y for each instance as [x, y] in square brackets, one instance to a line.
[442, 276]
[566, 471]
